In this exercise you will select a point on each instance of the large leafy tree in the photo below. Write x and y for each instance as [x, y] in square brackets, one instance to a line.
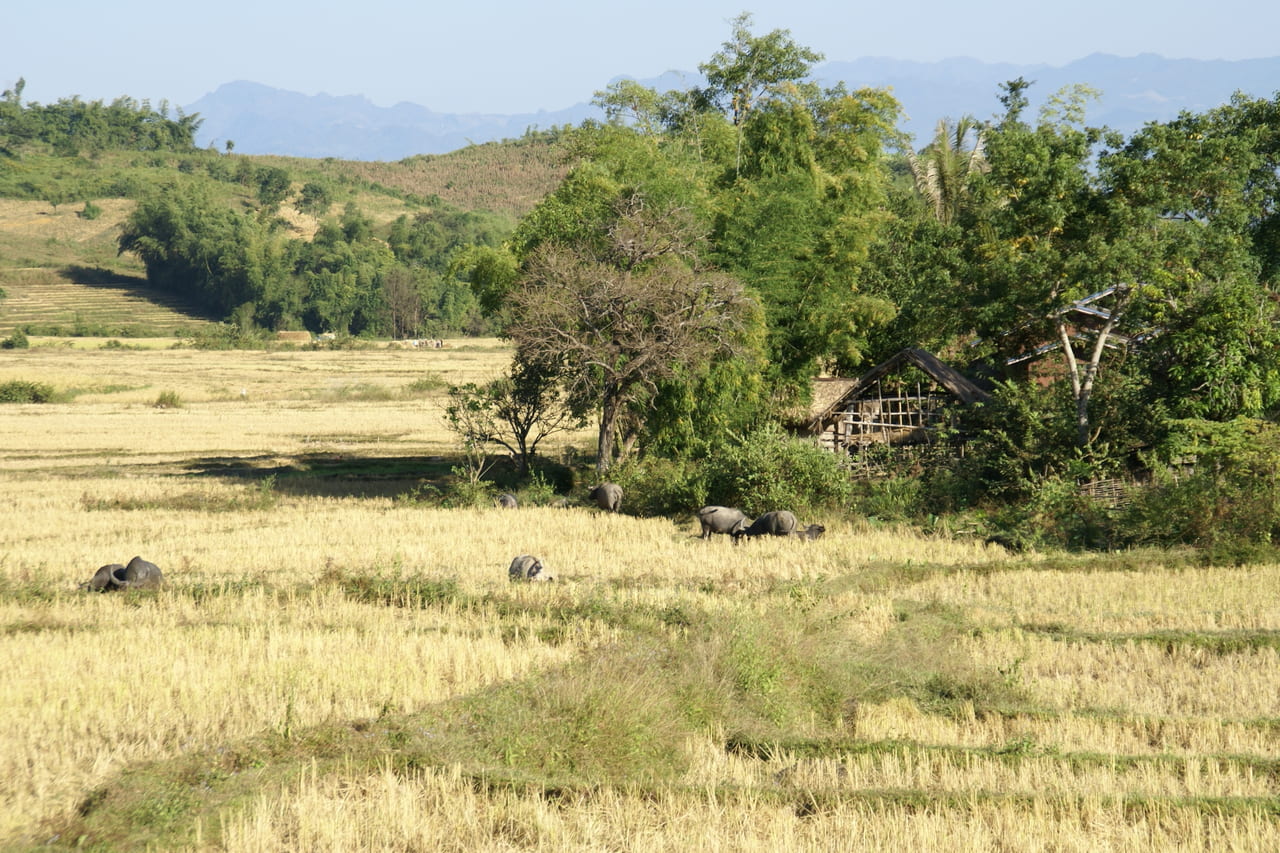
[748, 67]
[1042, 235]
[778, 184]
[1208, 185]
[619, 313]
[1163, 226]
[797, 220]
[195, 244]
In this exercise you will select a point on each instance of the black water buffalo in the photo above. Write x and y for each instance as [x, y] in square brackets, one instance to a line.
[777, 523]
[506, 500]
[812, 532]
[527, 567]
[721, 519]
[608, 496]
[138, 574]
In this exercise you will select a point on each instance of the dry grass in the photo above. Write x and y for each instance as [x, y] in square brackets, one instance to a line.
[503, 177]
[443, 811]
[1005, 704]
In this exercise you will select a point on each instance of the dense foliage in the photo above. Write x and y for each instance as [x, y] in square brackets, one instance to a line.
[72, 126]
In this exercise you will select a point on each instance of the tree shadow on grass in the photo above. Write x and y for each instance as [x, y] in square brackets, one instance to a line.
[329, 474]
[137, 286]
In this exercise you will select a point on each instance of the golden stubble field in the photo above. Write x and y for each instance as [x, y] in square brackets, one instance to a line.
[1146, 697]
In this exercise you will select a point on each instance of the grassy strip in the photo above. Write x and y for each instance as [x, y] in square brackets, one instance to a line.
[1214, 642]
[159, 804]
[1012, 753]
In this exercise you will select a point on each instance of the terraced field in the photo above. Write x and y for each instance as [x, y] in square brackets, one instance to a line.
[60, 270]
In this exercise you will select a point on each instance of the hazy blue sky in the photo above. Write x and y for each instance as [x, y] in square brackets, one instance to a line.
[515, 57]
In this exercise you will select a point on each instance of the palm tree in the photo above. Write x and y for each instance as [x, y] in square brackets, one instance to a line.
[943, 167]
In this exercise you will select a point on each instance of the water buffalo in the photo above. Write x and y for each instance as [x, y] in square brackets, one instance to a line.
[776, 523]
[139, 573]
[608, 496]
[812, 532]
[506, 500]
[721, 519]
[527, 567]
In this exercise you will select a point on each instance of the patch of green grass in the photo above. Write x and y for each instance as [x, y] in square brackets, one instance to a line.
[428, 384]
[168, 400]
[25, 391]
[356, 392]
[1215, 642]
[414, 592]
[72, 393]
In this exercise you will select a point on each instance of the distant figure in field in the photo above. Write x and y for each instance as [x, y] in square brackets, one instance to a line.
[721, 519]
[608, 496]
[527, 567]
[138, 574]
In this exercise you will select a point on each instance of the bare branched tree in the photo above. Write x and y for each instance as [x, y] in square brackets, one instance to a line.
[618, 322]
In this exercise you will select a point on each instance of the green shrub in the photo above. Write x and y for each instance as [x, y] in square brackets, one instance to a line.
[889, 498]
[17, 340]
[91, 211]
[22, 391]
[539, 491]
[168, 400]
[770, 469]
[1214, 487]
[656, 486]
[469, 493]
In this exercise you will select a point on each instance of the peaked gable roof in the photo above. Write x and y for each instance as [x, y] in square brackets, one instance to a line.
[945, 375]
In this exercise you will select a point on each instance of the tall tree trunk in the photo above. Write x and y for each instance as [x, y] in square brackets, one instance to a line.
[610, 407]
[1083, 378]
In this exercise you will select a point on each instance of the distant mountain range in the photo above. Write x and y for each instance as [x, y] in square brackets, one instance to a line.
[261, 120]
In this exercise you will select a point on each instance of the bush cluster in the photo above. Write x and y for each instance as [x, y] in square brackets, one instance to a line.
[23, 391]
[766, 469]
[17, 340]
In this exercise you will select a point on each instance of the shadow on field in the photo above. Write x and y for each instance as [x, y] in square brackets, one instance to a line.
[328, 474]
[136, 286]
[101, 277]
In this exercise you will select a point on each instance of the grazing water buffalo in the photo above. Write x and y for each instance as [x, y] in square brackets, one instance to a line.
[139, 573]
[721, 519]
[506, 500]
[812, 532]
[777, 523]
[608, 496]
[527, 567]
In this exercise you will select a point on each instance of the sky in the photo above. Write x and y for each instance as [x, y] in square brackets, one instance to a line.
[478, 56]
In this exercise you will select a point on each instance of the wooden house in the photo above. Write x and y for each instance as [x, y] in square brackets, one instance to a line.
[890, 404]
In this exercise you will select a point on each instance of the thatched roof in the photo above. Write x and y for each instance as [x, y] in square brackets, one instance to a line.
[831, 395]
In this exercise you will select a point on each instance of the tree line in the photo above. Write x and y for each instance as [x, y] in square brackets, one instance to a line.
[73, 126]
[210, 227]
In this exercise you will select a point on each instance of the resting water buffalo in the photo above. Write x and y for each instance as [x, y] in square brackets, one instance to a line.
[721, 519]
[506, 500]
[608, 496]
[138, 574]
[527, 567]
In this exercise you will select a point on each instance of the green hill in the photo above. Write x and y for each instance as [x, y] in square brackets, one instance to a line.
[61, 271]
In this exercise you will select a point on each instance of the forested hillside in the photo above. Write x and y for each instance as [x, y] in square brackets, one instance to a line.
[363, 246]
